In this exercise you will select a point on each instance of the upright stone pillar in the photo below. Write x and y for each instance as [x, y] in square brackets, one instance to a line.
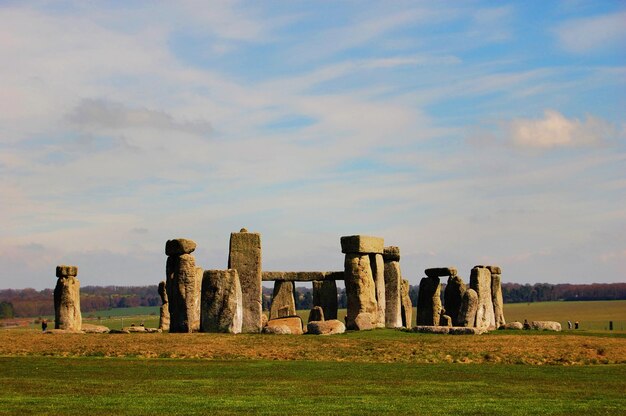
[221, 309]
[67, 299]
[245, 256]
[164, 317]
[407, 305]
[361, 288]
[480, 281]
[496, 295]
[283, 300]
[429, 301]
[325, 296]
[393, 287]
[183, 285]
[469, 306]
[453, 297]
[378, 273]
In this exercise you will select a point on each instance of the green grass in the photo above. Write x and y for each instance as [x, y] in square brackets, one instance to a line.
[45, 385]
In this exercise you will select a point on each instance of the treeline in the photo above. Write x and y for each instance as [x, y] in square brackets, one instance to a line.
[30, 302]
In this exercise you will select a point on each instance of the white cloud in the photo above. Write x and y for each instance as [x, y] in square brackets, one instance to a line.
[556, 130]
[591, 34]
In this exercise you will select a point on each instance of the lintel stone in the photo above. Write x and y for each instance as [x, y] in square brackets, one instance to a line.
[391, 253]
[441, 272]
[362, 244]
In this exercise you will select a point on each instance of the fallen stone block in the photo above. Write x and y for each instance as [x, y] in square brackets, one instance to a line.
[294, 323]
[545, 326]
[330, 327]
[95, 329]
[512, 325]
[277, 330]
[363, 322]
[362, 244]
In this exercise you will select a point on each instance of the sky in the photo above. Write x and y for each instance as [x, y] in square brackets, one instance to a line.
[464, 132]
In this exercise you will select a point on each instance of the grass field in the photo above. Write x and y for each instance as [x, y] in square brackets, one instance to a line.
[96, 386]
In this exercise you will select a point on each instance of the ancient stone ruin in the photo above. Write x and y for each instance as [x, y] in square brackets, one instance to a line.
[183, 285]
[393, 287]
[67, 299]
[244, 255]
[164, 316]
[221, 302]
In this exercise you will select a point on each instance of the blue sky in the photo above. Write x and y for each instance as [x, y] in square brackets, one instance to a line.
[464, 132]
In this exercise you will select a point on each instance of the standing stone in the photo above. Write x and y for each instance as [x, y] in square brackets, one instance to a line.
[221, 309]
[325, 296]
[378, 273]
[429, 301]
[393, 283]
[407, 305]
[245, 256]
[469, 306]
[480, 281]
[164, 318]
[283, 300]
[360, 291]
[316, 314]
[496, 297]
[183, 285]
[453, 297]
[67, 314]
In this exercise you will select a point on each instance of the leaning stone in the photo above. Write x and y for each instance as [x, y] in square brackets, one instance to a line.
[393, 289]
[245, 257]
[378, 273]
[277, 330]
[407, 306]
[67, 303]
[360, 290]
[441, 271]
[546, 326]
[95, 329]
[183, 286]
[179, 246]
[325, 296]
[294, 323]
[445, 320]
[480, 281]
[362, 244]
[429, 301]
[66, 271]
[453, 298]
[391, 253]
[496, 298]
[316, 314]
[331, 327]
[283, 300]
[221, 309]
[469, 306]
[512, 325]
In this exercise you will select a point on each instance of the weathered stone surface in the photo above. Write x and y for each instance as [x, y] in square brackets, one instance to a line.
[445, 320]
[95, 329]
[496, 298]
[362, 244]
[136, 329]
[453, 330]
[264, 320]
[480, 281]
[545, 326]
[393, 288]
[453, 297]
[67, 314]
[407, 306]
[164, 316]
[294, 323]
[179, 246]
[325, 296]
[221, 309]
[391, 253]
[331, 327]
[119, 331]
[268, 276]
[62, 331]
[512, 325]
[360, 289]
[245, 257]
[429, 301]
[492, 269]
[277, 330]
[66, 271]
[432, 329]
[378, 273]
[469, 306]
[441, 271]
[316, 314]
[456, 330]
[364, 322]
[283, 300]
[183, 285]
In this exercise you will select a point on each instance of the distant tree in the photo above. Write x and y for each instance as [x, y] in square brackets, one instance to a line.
[6, 310]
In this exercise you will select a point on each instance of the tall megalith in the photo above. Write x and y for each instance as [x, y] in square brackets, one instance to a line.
[67, 299]
[393, 287]
[361, 267]
[164, 317]
[480, 281]
[407, 305]
[429, 301]
[183, 285]
[221, 304]
[283, 300]
[496, 295]
[245, 257]
[325, 296]
[453, 297]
